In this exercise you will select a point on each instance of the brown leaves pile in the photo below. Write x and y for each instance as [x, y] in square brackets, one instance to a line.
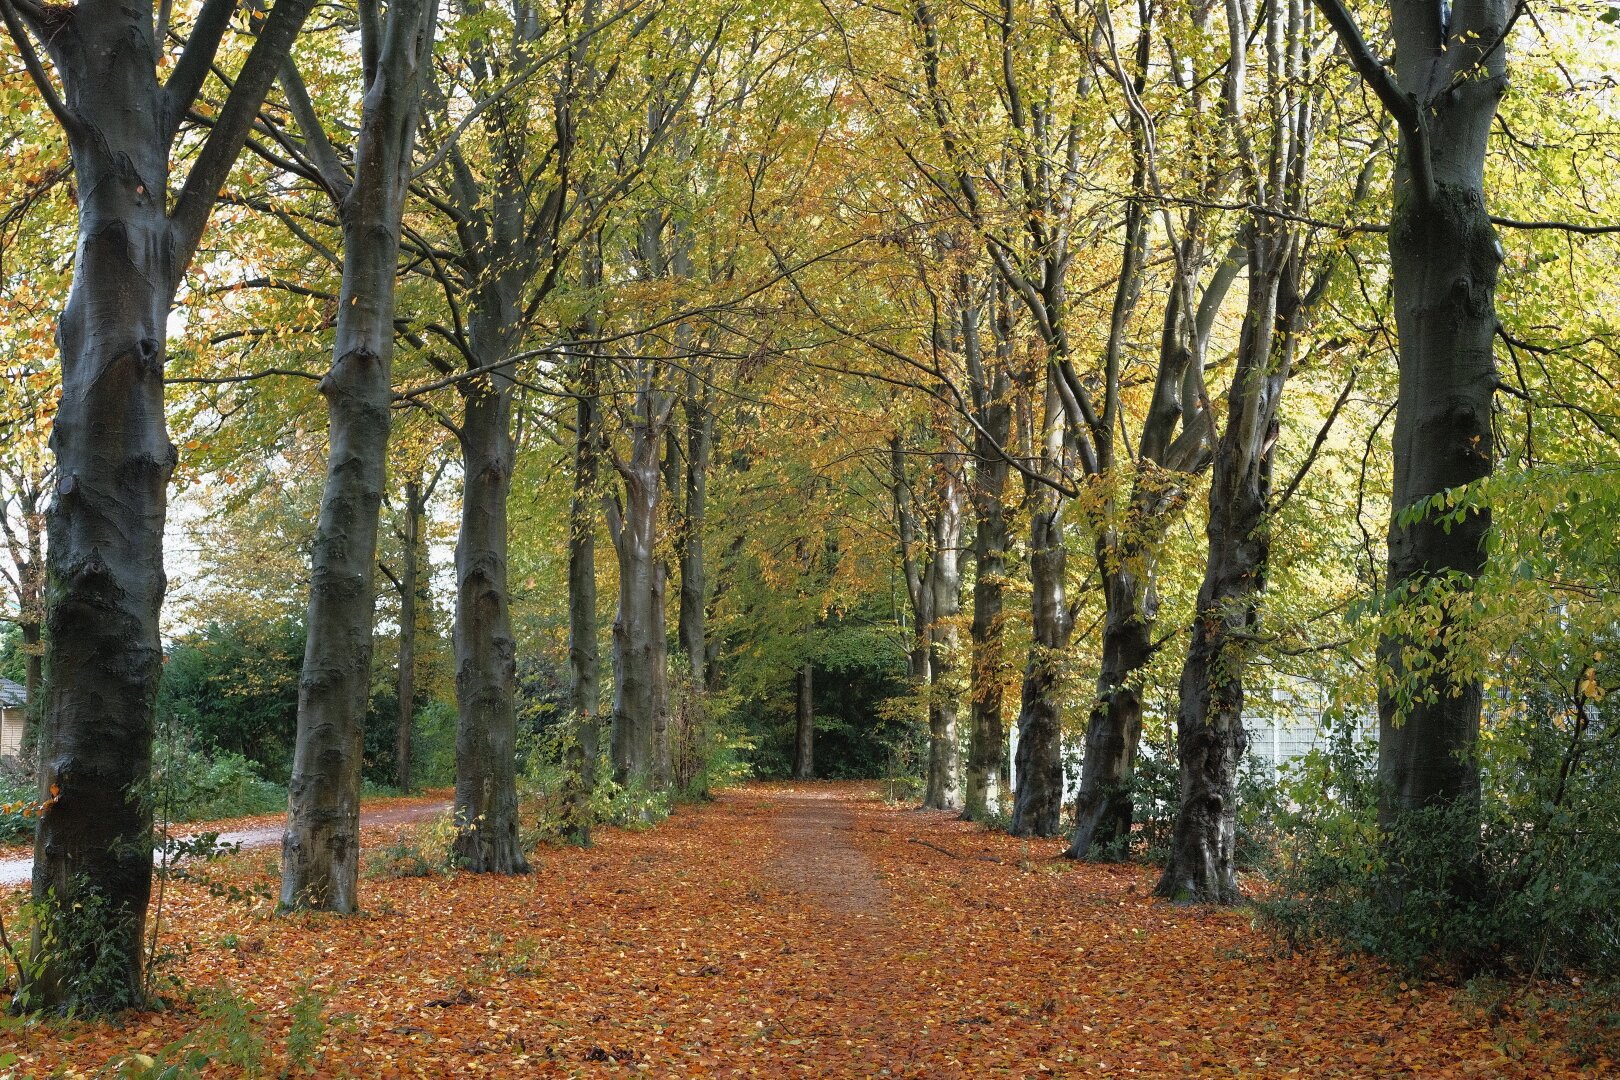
[800, 931]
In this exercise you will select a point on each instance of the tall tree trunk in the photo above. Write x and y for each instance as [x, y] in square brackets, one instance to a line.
[987, 743]
[943, 790]
[1038, 764]
[804, 735]
[409, 587]
[104, 558]
[692, 618]
[1114, 730]
[486, 652]
[1444, 260]
[584, 660]
[320, 857]
[640, 653]
[1443, 88]
[104, 554]
[1210, 738]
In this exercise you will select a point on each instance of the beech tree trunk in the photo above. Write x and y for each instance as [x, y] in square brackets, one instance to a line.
[1210, 738]
[409, 588]
[943, 790]
[804, 739]
[987, 743]
[1442, 88]
[1444, 260]
[640, 652]
[105, 528]
[486, 652]
[584, 660]
[1038, 763]
[320, 856]
[104, 558]
[692, 618]
[1103, 806]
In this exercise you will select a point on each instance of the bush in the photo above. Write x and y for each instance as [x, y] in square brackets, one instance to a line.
[189, 785]
[420, 851]
[1540, 894]
[19, 795]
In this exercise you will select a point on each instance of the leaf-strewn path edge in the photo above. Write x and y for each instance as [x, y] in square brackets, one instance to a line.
[797, 930]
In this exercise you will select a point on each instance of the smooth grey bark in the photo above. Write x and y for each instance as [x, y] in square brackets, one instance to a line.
[104, 557]
[990, 385]
[410, 586]
[320, 854]
[1442, 88]
[943, 787]
[640, 650]
[584, 658]
[804, 728]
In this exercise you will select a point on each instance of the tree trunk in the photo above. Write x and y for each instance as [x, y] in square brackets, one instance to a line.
[943, 790]
[410, 571]
[486, 653]
[987, 743]
[104, 555]
[584, 661]
[104, 559]
[1443, 89]
[804, 740]
[1038, 767]
[1444, 264]
[693, 614]
[640, 677]
[1210, 738]
[320, 859]
[1102, 827]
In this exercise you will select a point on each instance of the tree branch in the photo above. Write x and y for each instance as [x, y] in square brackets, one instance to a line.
[36, 70]
[218, 154]
[196, 59]
[1400, 105]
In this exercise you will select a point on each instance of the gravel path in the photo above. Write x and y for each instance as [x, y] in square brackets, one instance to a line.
[21, 871]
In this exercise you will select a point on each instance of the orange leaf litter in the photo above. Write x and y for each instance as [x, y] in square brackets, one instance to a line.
[798, 930]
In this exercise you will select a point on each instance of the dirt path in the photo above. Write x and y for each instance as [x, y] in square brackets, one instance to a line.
[814, 855]
[251, 833]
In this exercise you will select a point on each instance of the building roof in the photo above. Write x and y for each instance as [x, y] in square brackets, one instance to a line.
[12, 695]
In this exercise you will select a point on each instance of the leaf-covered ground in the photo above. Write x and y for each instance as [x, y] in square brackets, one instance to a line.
[793, 931]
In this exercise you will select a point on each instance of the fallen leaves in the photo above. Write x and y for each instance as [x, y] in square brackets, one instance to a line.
[798, 931]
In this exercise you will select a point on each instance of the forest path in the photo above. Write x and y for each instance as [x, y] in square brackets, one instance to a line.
[783, 931]
[814, 855]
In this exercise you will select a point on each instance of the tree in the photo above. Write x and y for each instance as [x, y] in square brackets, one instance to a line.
[1442, 89]
[1210, 737]
[804, 724]
[104, 561]
[320, 859]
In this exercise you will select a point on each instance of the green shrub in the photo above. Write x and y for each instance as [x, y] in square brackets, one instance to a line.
[19, 798]
[1540, 894]
[189, 785]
